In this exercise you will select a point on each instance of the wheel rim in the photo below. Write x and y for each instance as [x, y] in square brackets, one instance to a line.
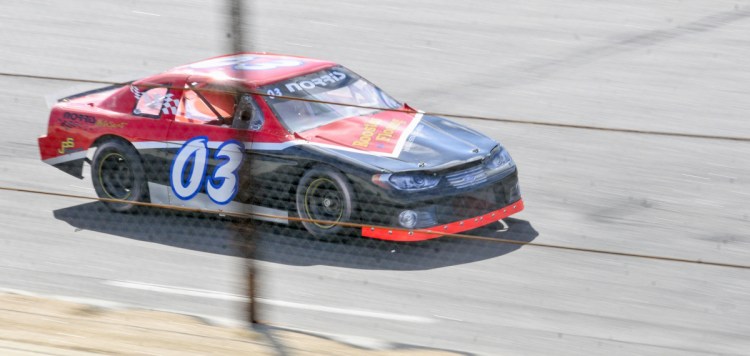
[324, 201]
[115, 176]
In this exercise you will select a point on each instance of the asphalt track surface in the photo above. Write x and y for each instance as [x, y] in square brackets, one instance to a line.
[673, 66]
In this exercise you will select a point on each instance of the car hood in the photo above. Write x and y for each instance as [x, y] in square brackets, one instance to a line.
[399, 141]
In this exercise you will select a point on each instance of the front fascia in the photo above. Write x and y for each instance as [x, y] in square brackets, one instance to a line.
[405, 235]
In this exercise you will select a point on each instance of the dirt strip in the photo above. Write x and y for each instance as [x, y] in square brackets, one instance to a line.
[38, 326]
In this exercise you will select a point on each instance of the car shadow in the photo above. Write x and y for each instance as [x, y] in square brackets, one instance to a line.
[291, 245]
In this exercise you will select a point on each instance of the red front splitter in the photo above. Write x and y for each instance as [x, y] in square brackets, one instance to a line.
[399, 234]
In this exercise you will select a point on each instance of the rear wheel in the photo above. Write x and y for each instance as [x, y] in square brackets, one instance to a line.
[324, 199]
[117, 173]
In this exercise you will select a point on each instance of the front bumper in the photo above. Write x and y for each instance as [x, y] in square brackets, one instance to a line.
[450, 214]
[400, 234]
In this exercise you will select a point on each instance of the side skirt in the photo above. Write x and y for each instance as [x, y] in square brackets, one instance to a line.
[161, 194]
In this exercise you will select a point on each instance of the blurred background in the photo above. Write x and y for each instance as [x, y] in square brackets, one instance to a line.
[661, 169]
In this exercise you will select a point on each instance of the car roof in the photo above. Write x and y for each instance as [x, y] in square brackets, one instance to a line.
[249, 69]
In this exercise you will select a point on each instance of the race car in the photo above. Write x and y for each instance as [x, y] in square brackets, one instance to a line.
[284, 138]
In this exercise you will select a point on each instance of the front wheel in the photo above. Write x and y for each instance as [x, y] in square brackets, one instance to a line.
[117, 173]
[324, 199]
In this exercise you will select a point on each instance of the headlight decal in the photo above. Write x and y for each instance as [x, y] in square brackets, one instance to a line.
[413, 181]
[500, 160]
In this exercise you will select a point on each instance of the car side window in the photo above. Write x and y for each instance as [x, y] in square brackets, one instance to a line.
[151, 102]
[206, 105]
[248, 115]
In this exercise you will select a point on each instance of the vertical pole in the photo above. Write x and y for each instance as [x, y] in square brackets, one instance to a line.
[236, 32]
[244, 229]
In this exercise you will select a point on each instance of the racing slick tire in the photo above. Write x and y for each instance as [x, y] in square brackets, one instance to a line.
[117, 173]
[324, 199]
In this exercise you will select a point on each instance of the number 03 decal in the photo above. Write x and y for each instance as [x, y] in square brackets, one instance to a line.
[188, 172]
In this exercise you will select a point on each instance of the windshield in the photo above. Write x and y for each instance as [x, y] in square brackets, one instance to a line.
[337, 85]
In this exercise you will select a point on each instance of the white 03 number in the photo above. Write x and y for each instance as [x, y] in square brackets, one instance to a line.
[188, 172]
[248, 62]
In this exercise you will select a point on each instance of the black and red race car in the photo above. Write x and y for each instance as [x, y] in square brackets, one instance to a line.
[346, 152]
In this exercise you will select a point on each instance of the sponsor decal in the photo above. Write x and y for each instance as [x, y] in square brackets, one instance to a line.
[381, 133]
[170, 104]
[136, 92]
[187, 175]
[72, 120]
[322, 81]
[110, 124]
[412, 137]
[384, 133]
[390, 129]
[65, 145]
[152, 100]
[367, 132]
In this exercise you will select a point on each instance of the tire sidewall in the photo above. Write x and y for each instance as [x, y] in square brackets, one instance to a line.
[139, 191]
[337, 232]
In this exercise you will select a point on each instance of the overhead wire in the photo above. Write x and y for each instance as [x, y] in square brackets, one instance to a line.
[450, 115]
[358, 225]
[475, 117]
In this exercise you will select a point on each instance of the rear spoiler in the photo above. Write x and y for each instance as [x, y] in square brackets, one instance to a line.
[94, 91]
